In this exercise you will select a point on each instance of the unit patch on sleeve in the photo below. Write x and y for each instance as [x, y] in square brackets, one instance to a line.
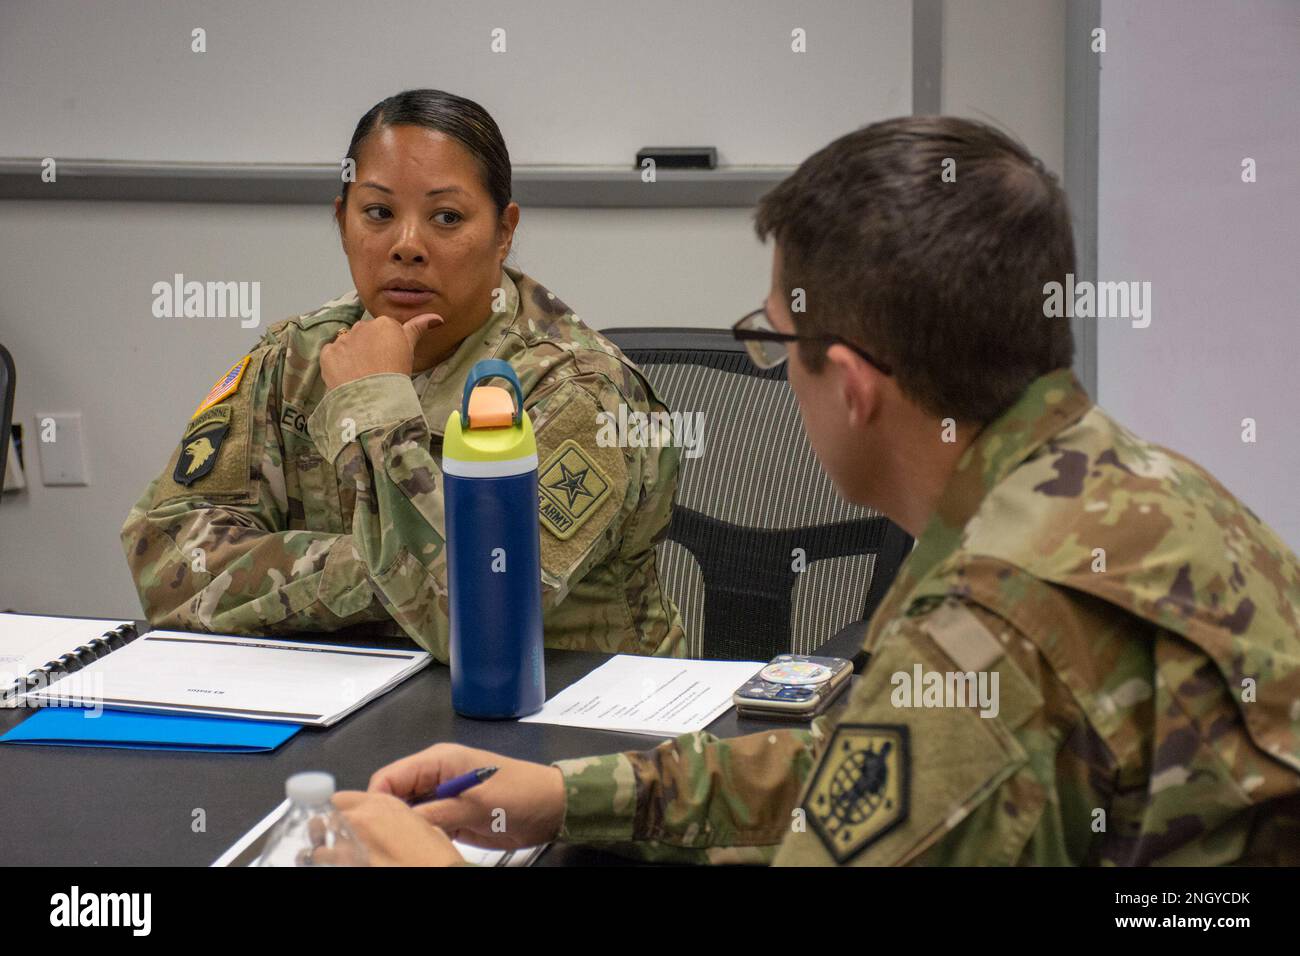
[570, 489]
[199, 447]
[860, 789]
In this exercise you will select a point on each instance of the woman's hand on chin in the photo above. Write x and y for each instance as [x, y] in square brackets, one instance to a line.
[370, 348]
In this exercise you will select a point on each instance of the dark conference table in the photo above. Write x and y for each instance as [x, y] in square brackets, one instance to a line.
[84, 806]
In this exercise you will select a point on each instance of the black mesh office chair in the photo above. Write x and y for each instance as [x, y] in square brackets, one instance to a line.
[754, 496]
[6, 407]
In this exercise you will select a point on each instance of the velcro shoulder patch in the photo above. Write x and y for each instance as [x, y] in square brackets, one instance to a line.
[903, 767]
[572, 487]
[861, 788]
[213, 456]
[200, 444]
[581, 486]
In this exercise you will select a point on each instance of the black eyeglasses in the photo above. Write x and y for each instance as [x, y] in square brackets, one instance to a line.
[767, 347]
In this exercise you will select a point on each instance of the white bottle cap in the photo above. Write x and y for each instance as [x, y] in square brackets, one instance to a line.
[310, 787]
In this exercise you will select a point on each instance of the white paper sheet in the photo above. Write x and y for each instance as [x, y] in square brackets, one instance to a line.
[662, 697]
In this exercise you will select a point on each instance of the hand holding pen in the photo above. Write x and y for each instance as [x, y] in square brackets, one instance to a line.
[455, 786]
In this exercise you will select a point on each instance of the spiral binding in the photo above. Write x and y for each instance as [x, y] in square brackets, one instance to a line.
[77, 658]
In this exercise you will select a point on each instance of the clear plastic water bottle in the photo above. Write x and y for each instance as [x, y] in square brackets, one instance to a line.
[311, 822]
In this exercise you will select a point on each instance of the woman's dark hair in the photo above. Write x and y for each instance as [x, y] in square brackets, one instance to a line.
[461, 119]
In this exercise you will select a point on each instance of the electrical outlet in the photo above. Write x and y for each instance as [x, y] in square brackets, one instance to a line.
[58, 444]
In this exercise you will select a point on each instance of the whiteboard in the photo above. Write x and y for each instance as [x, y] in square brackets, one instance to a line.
[579, 82]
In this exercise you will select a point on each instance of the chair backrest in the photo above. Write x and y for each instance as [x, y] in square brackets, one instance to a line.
[6, 408]
[762, 556]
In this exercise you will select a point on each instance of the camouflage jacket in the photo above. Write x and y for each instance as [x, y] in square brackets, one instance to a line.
[285, 508]
[1136, 627]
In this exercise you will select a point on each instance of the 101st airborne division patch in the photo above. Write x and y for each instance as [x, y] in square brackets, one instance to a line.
[570, 489]
[199, 447]
[860, 791]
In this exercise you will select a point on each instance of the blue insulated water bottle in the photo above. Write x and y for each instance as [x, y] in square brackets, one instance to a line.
[494, 568]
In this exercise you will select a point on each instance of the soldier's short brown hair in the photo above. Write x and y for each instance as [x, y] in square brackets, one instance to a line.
[943, 280]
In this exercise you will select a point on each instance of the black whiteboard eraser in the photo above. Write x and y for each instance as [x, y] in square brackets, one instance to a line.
[679, 157]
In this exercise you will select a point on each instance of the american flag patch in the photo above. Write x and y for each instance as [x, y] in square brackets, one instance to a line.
[227, 385]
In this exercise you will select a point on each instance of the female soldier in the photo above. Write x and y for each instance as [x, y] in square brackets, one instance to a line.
[305, 493]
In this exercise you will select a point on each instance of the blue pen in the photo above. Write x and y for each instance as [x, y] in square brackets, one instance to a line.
[458, 785]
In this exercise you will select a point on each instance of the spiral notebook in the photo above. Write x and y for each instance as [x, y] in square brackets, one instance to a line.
[36, 649]
[224, 675]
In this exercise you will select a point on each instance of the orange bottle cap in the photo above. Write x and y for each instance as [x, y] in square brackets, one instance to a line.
[491, 407]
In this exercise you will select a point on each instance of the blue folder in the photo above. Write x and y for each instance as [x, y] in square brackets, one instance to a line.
[79, 727]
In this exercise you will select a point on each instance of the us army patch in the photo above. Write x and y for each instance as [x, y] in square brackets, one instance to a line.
[861, 787]
[570, 489]
[199, 447]
[225, 386]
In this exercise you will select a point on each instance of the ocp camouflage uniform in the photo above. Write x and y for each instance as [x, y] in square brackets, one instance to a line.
[286, 508]
[1142, 624]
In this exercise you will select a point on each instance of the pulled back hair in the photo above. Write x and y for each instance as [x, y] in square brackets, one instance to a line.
[461, 119]
[942, 280]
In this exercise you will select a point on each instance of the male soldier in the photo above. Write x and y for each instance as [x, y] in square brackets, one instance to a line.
[1136, 624]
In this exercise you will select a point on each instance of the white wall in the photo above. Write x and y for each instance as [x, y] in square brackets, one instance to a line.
[1188, 89]
[1003, 64]
[580, 81]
